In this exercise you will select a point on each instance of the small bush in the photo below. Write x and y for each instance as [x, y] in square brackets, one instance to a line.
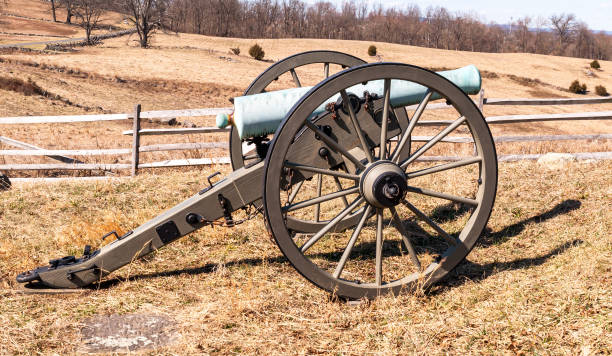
[236, 50]
[372, 50]
[257, 52]
[578, 88]
[595, 64]
[601, 90]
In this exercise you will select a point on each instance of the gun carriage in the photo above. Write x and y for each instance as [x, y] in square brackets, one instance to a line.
[340, 182]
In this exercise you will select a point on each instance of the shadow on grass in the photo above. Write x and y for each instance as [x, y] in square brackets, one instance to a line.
[470, 271]
[465, 271]
[492, 238]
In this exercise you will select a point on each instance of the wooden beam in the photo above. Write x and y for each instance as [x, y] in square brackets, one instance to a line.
[528, 138]
[108, 152]
[111, 117]
[511, 119]
[197, 130]
[116, 151]
[187, 162]
[185, 113]
[57, 157]
[59, 166]
[578, 156]
[61, 119]
[552, 101]
[136, 141]
[184, 146]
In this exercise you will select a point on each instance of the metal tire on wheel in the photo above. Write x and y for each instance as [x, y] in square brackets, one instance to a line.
[428, 231]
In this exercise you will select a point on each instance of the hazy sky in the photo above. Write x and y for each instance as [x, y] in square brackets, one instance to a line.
[596, 13]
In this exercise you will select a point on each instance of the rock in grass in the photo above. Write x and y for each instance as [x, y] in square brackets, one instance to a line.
[556, 160]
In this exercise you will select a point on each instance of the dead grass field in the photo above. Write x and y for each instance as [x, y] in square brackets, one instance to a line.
[539, 281]
[24, 21]
[191, 71]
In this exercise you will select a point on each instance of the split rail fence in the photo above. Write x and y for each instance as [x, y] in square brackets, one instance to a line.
[68, 163]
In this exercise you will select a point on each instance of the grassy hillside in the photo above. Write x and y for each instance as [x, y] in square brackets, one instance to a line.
[191, 71]
[23, 21]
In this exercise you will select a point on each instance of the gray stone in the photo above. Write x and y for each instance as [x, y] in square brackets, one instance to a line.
[127, 333]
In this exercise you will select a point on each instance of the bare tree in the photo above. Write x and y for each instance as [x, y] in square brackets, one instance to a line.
[564, 26]
[53, 10]
[147, 16]
[522, 33]
[355, 20]
[88, 12]
[69, 6]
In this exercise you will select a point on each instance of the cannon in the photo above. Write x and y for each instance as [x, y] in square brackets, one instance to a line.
[344, 185]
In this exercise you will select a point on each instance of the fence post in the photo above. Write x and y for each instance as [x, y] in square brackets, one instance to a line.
[136, 140]
[481, 99]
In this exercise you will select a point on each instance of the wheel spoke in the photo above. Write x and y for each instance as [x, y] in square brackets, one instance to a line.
[364, 144]
[320, 199]
[379, 245]
[433, 141]
[339, 186]
[430, 222]
[333, 144]
[406, 238]
[415, 118]
[317, 211]
[326, 70]
[351, 243]
[446, 196]
[294, 193]
[249, 157]
[303, 167]
[385, 119]
[443, 167]
[296, 80]
[331, 224]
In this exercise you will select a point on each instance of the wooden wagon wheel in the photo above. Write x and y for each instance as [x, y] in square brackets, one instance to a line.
[416, 221]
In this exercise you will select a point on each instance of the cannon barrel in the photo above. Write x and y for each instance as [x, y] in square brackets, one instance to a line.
[261, 114]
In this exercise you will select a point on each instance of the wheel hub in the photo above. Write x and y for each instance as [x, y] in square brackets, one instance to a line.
[383, 184]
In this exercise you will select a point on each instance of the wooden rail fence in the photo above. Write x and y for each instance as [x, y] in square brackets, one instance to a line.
[68, 163]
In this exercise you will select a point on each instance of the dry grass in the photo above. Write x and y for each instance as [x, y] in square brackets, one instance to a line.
[538, 282]
[31, 21]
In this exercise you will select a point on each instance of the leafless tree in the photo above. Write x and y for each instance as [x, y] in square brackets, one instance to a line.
[564, 26]
[69, 6]
[355, 20]
[147, 16]
[88, 12]
[53, 10]
[522, 33]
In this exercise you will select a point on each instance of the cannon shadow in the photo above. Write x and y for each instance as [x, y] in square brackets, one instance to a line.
[465, 271]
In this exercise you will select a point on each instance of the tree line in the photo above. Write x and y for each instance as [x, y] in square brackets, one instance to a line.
[434, 27]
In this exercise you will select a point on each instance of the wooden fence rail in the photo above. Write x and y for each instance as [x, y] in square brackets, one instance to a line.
[69, 163]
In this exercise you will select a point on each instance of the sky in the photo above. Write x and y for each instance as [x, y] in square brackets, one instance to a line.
[597, 14]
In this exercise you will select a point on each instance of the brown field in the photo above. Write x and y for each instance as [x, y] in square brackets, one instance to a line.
[538, 282]
[191, 71]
